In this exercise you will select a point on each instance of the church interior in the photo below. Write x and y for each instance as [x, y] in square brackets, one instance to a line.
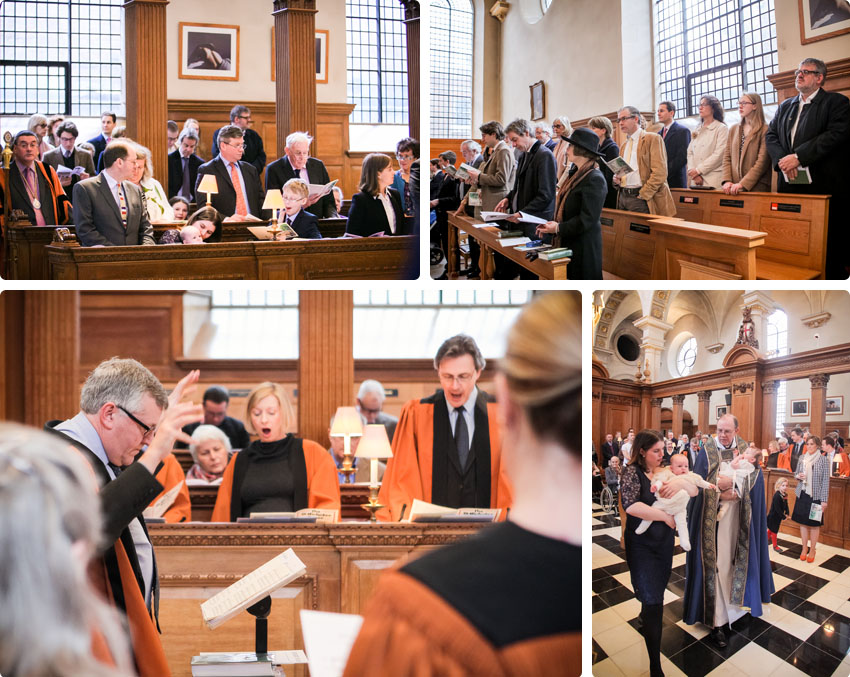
[678, 361]
[539, 60]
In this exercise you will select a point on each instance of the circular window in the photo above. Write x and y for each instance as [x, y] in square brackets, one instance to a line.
[628, 347]
[686, 357]
[533, 10]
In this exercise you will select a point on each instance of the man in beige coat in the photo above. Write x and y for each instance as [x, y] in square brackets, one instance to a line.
[645, 189]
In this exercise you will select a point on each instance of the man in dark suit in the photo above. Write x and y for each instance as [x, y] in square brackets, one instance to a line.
[215, 402]
[676, 139]
[471, 151]
[437, 178]
[68, 155]
[812, 130]
[183, 166]
[447, 200]
[239, 189]
[609, 448]
[692, 452]
[109, 210]
[797, 443]
[34, 187]
[254, 154]
[543, 133]
[370, 403]
[107, 124]
[297, 164]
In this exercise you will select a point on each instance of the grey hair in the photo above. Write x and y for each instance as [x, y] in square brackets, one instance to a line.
[472, 144]
[819, 65]
[544, 126]
[458, 345]
[188, 134]
[48, 508]
[122, 381]
[208, 432]
[634, 112]
[238, 110]
[36, 119]
[297, 137]
[371, 386]
[520, 127]
[143, 153]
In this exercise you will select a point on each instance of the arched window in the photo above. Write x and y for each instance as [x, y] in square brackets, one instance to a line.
[544, 5]
[686, 357]
[777, 346]
[451, 69]
[376, 47]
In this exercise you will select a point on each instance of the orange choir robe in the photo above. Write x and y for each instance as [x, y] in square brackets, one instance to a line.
[169, 475]
[844, 466]
[322, 482]
[784, 460]
[408, 473]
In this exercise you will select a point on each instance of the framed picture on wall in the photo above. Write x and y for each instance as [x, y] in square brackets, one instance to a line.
[208, 52]
[722, 410]
[799, 407]
[321, 57]
[822, 19]
[538, 101]
[835, 405]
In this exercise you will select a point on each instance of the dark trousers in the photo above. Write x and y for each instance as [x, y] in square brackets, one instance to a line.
[631, 203]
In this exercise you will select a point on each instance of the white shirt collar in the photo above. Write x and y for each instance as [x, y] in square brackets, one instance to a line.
[110, 180]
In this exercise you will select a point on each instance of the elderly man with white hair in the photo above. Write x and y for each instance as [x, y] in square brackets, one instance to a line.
[543, 133]
[370, 401]
[297, 164]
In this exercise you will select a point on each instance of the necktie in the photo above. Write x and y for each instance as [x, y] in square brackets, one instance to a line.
[186, 189]
[627, 153]
[241, 207]
[664, 133]
[32, 189]
[461, 438]
[122, 204]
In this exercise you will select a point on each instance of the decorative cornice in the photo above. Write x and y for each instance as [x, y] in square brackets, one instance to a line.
[817, 320]
[499, 10]
[819, 380]
[620, 399]
[743, 387]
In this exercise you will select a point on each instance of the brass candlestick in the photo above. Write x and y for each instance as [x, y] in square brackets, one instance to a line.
[372, 506]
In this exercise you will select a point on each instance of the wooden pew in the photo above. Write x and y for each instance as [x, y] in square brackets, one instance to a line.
[379, 258]
[546, 270]
[25, 243]
[646, 247]
[795, 227]
[344, 562]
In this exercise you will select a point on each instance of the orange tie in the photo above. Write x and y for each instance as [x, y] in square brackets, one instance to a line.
[241, 207]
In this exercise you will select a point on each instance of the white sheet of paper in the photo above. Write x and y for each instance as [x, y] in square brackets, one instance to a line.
[328, 638]
[292, 657]
[528, 218]
[493, 216]
[513, 241]
[158, 509]
[321, 188]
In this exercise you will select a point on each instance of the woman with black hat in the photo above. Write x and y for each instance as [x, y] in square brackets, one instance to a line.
[578, 206]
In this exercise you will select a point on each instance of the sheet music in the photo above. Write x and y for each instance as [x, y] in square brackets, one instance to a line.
[165, 502]
[328, 638]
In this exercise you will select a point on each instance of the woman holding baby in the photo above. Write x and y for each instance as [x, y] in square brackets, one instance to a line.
[650, 554]
[812, 475]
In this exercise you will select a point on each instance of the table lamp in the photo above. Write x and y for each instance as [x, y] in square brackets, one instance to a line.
[209, 186]
[273, 201]
[374, 445]
[347, 424]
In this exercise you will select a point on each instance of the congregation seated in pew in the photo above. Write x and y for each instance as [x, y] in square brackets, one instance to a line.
[211, 452]
[297, 163]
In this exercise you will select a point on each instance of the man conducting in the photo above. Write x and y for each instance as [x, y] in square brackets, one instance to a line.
[124, 410]
[446, 448]
[735, 547]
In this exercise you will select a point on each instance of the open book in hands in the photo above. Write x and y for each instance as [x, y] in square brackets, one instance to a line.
[421, 511]
[251, 588]
[619, 166]
[321, 189]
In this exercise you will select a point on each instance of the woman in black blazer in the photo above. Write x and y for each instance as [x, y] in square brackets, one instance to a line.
[578, 206]
[609, 149]
[368, 213]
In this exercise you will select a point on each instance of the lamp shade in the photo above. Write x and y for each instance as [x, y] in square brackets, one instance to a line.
[347, 421]
[274, 199]
[208, 184]
[374, 443]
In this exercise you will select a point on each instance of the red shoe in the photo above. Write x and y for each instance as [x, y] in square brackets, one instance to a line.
[776, 549]
[811, 558]
[803, 556]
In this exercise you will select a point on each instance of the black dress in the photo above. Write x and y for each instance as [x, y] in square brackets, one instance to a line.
[580, 228]
[650, 554]
[778, 512]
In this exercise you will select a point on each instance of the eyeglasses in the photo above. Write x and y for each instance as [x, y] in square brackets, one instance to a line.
[238, 146]
[404, 157]
[802, 71]
[67, 138]
[628, 117]
[244, 117]
[148, 429]
[746, 103]
[462, 379]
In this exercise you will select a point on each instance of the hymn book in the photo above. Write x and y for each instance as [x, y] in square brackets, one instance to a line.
[159, 508]
[312, 514]
[62, 170]
[320, 190]
[251, 588]
[619, 166]
[493, 216]
[422, 511]
[268, 233]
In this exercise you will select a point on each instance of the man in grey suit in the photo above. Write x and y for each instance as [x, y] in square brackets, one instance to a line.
[108, 209]
[68, 155]
[370, 401]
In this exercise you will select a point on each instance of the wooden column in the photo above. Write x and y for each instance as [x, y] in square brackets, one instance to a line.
[678, 409]
[411, 21]
[596, 404]
[51, 355]
[146, 76]
[704, 397]
[655, 422]
[295, 65]
[818, 406]
[326, 359]
[768, 419]
[645, 420]
[12, 376]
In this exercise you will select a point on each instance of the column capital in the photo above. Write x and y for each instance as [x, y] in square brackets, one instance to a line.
[819, 380]
[704, 395]
[679, 399]
[769, 387]
[656, 402]
[411, 9]
[296, 5]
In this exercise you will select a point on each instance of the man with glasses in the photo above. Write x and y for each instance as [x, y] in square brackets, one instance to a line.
[240, 193]
[68, 155]
[644, 189]
[126, 427]
[808, 141]
[446, 448]
[297, 164]
[370, 403]
[254, 154]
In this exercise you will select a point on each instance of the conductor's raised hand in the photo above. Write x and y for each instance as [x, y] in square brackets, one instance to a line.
[169, 430]
[184, 388]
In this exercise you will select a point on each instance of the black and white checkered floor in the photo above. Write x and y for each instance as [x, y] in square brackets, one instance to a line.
[804, 631]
